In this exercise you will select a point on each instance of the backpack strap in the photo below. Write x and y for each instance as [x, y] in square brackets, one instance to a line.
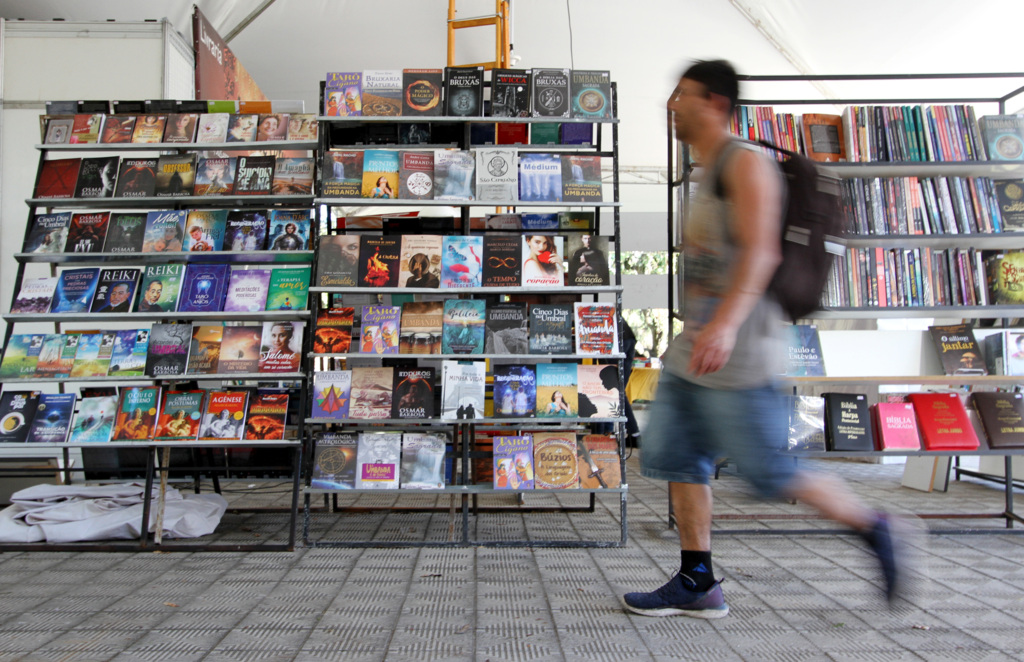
[715, 172]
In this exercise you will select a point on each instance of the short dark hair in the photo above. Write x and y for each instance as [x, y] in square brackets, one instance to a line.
[718, 76]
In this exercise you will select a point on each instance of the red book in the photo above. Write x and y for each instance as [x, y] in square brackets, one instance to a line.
[943, 422]
[512, 134]
[57, 178]
[895, 426]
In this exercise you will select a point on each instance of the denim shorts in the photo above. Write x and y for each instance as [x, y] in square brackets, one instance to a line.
[691, 426]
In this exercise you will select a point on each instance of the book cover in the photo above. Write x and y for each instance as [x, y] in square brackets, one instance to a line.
[149, 129]
[131, 348]
[242, 128]
[115, 290]
[343, 94]
[380, 174]
[303, 126]
[943, 423]
[415, 175]
[382, 92]
[414, 393]
[68, 353]
[272, 126]
[203, 288]
[454, 175]
[464, 91]
[167, 352]
[551, 328]
[1005, 277]
[58, 130]
[240, 349]
[848, 422]
[267, 415]
[422, 325]
[599, 463]
[215, 176]
[550, 92]
[501, 260]
[598, 390]
[247, 290]
[159, 290]
[289, 229]
[497, 175]
[510, 93]
[224, 415]
[1004, 137]
[17, 411]
[895, 426]
[204, 350]
[125, 232]
[175, 175]
[47, 233]
[181, 128]
[540, 177]
[588, 260]
[1010, 202]
[338, 260]
[597, 329]
[806, 423]
[378, 459]
[511, 221]
[254, 175]
[94, 421]
[288, 289]
[578, 220]
[87, 232]
[554, 461]
[803, 351]
[513, 462]
[420, 261]
[88, 362]
[136, 178]
[293, 175]
[506, 328]
[591, 93]
[414, 133]
[213, 128]
[21, 356]
[1002, 415]
[331, 392]
[379, 261]
[421, 91]
[423, 460]
[86, 128]
[463, 326]
[35, 295]
[342, 174]
[515, 391]
[48, 363]
[281, 346]
[333, 333]
[958, 349]
[581, 178]
[334, 461]
[74, 291]
[52, 422]
[96, 177]
[137, 410]
[823, 137]
[371, 393]
[165, 231]
[543, 221]
[1004, 352]
[57, 178]
[512, 134]
[379, 329]
[557, 391]
[246, 230]
[180, 415]
[462, 261]
[462, 389]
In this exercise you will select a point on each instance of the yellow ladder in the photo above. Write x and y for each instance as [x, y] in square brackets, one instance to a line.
[499, 19]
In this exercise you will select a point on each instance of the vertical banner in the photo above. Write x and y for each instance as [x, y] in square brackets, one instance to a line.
[219, 75]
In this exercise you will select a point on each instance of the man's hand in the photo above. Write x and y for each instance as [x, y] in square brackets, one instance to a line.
[712, 348]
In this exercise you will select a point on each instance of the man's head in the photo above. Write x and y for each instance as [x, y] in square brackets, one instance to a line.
[706, 85]
[118, 294]
[154, 291]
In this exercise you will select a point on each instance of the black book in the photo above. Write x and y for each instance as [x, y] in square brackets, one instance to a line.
[189, 106]
[125, 232]
[92, 107]
[588, 260]
[255, 175]
[115, 290]
[510, 93]
[550, 93]
[163, 106]
[464, 91]
[96, 177]
[17, 410]
[413, 395]
[175, 175]
[136, 179]
[958, 349]
[379, 261]
[167, 353]
[246, 230]
[47, 233]
[502, 260]
[515, 391]
[421, 91]
[551, 328]
[338, 260]
[128, 107]
[87, 232]
[505, 330]
[848, 422]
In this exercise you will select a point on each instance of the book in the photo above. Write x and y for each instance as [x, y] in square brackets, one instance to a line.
[958, 349]
[281, 346]
[125, 232]
[240, 349]
[462, 329]
[74, 291]
[267, 415]
[803, 351]
[332, 390]
[293, 175]
[47, 233]
[581, 178]
[599, 464]
[254, 175]
[86, 128]
[806, 423]
[513, 462]
[342, 174]
[203, 288]
[510, 221]
[165, 231]
[506, 328]
[415, 175]
[204, 350]
[454, 175]
[175, 175]
[543, 221]
[161, 284]
[289, 229]
[87, 232]
[540, 177]
[943, 423]
[550, 328]
[371, 393]
[823, 137]
[378, 458]
[512, 134]
[515, 390]
[598, 391]
[303, 126]
[414, 393]
[379, 261]
[421, 91]
[52, 422]
[414, 133]
[17, 411]
[58, 130]
[35, 295]
[848, 422]
[379, 330]
[224, 415]
[588, 260]
[1004, 137]
[94, 421]
[421, 327]
[554, 461]
[464, 91]
[136, 178]
[333, 333]
[461, 261]
[48, 363]
[591, 94]
[288, 288]
[510, 93]
[380, 174]
[272, 126]
[247, 290]
[149, 129]
[242, 128]
[382, 92]
[895, 426]
[96, 177]
[497, 175]
[180, 416]
[136, 415]
[557, 390]
[1002, 415]
[462, 389]
[1004, 352]
[338, 260]
[246, 230]
[580, 220]
[115, 290]
[596, 327]
[57, 178]
[343, 94]
[420, 261]
[334, 461]
[501, 260]
[212, 128]
[550, 93]
[87, 362]
[167, 351]
[181, 128]
[423, 461]
[215, 176]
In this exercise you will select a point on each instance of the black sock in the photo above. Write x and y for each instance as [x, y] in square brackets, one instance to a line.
[695, 570]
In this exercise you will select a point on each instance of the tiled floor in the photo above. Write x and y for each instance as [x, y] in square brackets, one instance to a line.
[794, 596]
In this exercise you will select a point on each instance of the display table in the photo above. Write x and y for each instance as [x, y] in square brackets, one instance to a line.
[643, 384]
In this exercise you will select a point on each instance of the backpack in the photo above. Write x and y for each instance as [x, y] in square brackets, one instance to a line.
[812, 222]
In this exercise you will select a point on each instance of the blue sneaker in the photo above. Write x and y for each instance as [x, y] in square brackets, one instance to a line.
[674, 599]
[884, 540]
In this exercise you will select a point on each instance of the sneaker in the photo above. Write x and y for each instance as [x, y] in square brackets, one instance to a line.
[674, 599]
[885, 542]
